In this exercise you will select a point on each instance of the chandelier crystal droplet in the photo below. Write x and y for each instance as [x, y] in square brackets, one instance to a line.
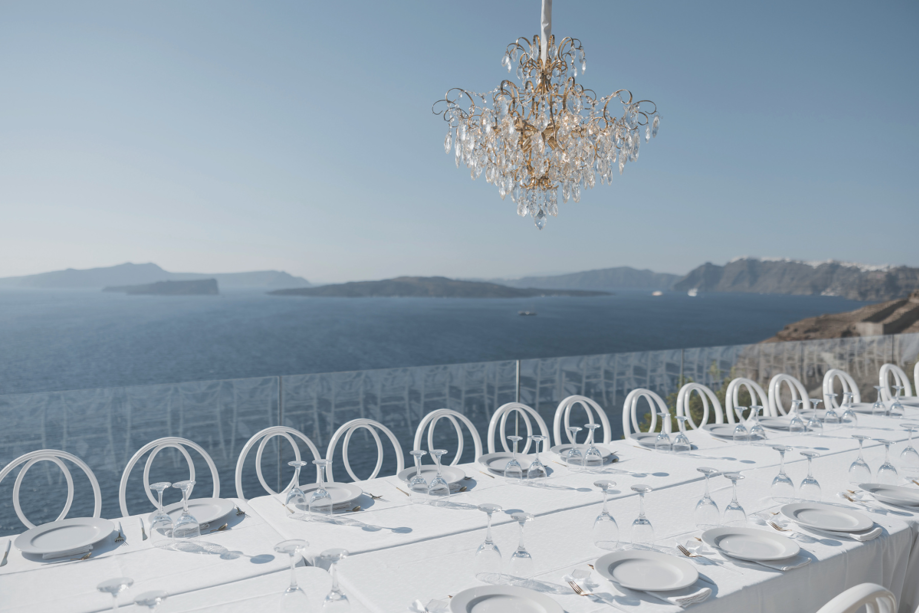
[547, 134]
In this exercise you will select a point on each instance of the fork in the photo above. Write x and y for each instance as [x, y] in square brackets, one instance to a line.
[239, 512]
[691, 554]
[6, 553]
[143, 531]
[579, 590]
[774, 525]
[356, 509]
[914, 481]
[119, 538]
[220, 529]
[372, 497]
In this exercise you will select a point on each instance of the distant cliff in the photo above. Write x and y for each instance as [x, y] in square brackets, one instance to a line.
[620, 277]
[795, 277]
[428, 287]
[198, 287]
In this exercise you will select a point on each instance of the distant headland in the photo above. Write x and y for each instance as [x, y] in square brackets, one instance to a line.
[198, 287]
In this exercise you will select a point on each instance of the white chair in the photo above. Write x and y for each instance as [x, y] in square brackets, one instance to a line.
[899, 378]
[262, 437]
[371, 426]
[563, 415]
[455, 418]
[54, 456]
[798, 392]
[154, 447]
[500, 418]
[873, 597]
[630, 411]
[708, 399]
[847, 384]
[916, 375]
[732, 397]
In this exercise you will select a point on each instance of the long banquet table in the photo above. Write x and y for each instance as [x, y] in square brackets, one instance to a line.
[401, 551]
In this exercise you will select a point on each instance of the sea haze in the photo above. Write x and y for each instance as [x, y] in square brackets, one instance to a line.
[59, 340]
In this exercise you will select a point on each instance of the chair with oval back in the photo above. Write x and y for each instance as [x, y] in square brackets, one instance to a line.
[347, 430]
[868, 597]
[262, 437]
[847, 384]
[630, 411]
[154, 447]
[710, 403]
[797, 389]
[732, 397]
[430, 420]
[563, 416]
[499, 422]
[899, 378]
[54, 456]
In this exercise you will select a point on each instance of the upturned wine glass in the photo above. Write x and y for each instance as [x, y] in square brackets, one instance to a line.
[438, 488]
[662, 442]
[114, 587]
[294, 598]
[295, 498]
[895, 408]
[814, 423]
[757, 433]
[521, 563]
[335, 601]
[849, 418]
[186, 526]
[783, 488]
[810, 489]
[593, 459]
[151, 600]
[681, 443]
[887, 473]
[706, 513]
[734, 514]
[879, 408]
[909, 457]
[320, 505]
[574, 458]
[605, 533]
[537, 469]
[796, 425]
[642, 530]
[831, 418]
[741, 435]
[513, 471]
[160, 521]
[417, 486]
[859, 471]
[488, 556]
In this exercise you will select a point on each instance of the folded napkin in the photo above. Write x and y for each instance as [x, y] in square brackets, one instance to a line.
[683, 598]
[433, 606]
[69, 552]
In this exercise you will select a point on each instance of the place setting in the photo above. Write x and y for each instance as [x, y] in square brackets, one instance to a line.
[514, 466]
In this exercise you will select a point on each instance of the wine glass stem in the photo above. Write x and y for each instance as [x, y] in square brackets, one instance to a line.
[417, 467]
[296, 481]
[707, 494]
[115, 601]
[810, 474]
[605, 512]
[319, 475]
[334, 573]
[641, 505]
[488, 530]
[185, 500]
[782, 465]
[293, 574]
[734, 492]
[520, 547]
[161, 499]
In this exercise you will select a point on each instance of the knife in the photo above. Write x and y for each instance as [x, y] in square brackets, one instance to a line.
[7, 553]
[66, 554]
[143, 532]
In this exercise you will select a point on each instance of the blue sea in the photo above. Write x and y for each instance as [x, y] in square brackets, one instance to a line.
[62, 340]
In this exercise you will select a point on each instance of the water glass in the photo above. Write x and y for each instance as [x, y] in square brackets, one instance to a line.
[706, 514]
[320, 505]
[896, 409]
[574, 458]
[488, 556]
[537, 469]
[662, 442]
[878, 407]
[114, 587]
[859, 471]
[605, 533]
[741, 435]
[438, 488]
[160, 521]
[642, 530]
[909, 457]
[814, 423]
[151, 600]
[335, 601]
[796, 425]
[887, 473]
[757, 433]
[810, 489]
[295, 498]
[783, 488]
[417, 486]
[512, 470]
[734, 514]
[849, 418]
[294, 598]
[831, 419]
[186, 527]
[521, 563]
[593, 459]
[681, 443]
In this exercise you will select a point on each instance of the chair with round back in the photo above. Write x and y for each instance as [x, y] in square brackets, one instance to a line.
[708, 399]
[499, 422]
[563, 416]
[869, 597]
[347, 430]
[899, 378]
[430, 420]
[798, 392]
[262, 437]
[630, 411]
[55, 457]
[154, 447]
[847, 384]
[732, 397]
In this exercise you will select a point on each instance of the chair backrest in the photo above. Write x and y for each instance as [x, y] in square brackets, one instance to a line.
[154, 447]
[847, 383]
[874, 598]
[563, 415]
[54, 456]
[798, 392]
[899, 378]
[630, 411]
[732, 397]
[499, 422]
[455, 418]
[916, 376]
[371, 426]
[708, 398]
[262, 439]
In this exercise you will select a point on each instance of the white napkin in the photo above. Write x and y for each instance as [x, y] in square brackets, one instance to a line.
[433, 606]
[683, 598]
[69, 552]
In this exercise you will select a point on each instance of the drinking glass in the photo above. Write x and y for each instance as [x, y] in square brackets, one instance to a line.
[573, 458]
[320, 500]
[151, 600]
[740, 431]
[783, 488]
[642, 530]
[796, 425]
[593, 459]
[830, 416]
[878, 407]
[605, 534]
[887, 473]
[488, 556]
[294, 598]
[160, 522]
[662, 442]
[810, 489]
[909, 457]
[186, 526]
[417, 486]
[814, 424]
[734, 514]
[521, 564]
[114, 587]
[335, 600]
[757, 433]
[859, 471]
[439, 488]
[513, 470]
[849, 418]
[706, 514]
[681, 443]
[895, 408]
[295, 498]
[537, 469]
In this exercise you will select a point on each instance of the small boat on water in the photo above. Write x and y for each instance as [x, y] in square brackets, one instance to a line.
[694, 292]
[658, 293]
[527, 313]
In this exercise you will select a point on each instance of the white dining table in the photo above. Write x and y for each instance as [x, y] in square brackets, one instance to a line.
[400, 550]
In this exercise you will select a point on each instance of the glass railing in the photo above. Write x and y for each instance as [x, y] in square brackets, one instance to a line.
[105, 427]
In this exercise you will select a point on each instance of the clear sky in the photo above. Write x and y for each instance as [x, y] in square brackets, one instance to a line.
[220, 136]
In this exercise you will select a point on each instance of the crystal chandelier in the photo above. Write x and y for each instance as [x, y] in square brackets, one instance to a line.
[548, 132]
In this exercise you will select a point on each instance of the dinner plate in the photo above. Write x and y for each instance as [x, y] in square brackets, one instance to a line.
[827, 518]
[893, 494]
[866, 408]
[649, 439]
[775, 423]
[205, 510]
[562, 450]
[64, 535]
[646, 570]
[451, 474]
[502, 599]
[495, 462]
[722, 431]
[751, 544]
[342, 493]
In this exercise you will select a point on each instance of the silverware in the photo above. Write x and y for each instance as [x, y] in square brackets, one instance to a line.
[579, 590]
[373, 497]
[239, 512]
[286, 507]
[403, 491]
[487, 475]
[143, 531]
[462, 489]
[467, 478]
[774, 525]
[85, 557]
[220, 529]
[691, 554]
[119, 538]
[914, 481]
[7, 553]
[356, 509]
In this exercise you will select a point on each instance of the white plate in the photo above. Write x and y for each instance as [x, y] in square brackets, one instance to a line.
[722, 431]
[646, 570]
[827, 518]
[775, 423]
[495, 462]
[205, 510]
[502, 599]
[342, 493]
[751, 544]
[64, 535]
[864, 408]
[562, 450]
[893, 494]
[649, 439]
[451, 474]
